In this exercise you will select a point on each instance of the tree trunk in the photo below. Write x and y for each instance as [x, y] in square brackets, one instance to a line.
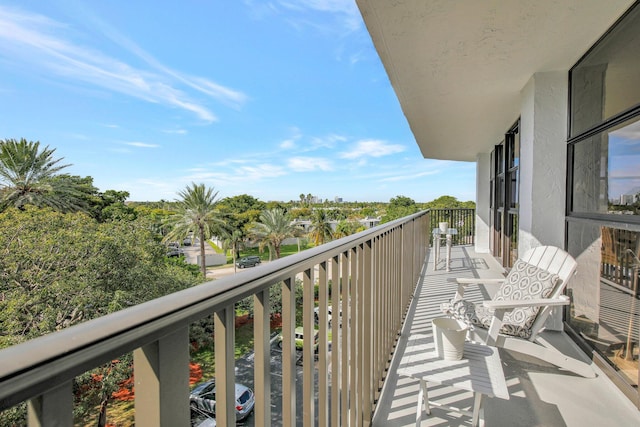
[203, 261]
[102, 417]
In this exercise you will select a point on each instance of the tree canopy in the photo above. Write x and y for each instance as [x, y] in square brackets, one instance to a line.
[272, 229]
[60, 269]
[30, 175]
[197, 213]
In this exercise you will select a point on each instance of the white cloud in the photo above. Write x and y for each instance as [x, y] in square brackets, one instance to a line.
[407, 177]
[287, 144]
[38, 41]
[176, 131]
[372, 148]
[345, 11]
[141, 144]
[337, 16]
[261, 171]
[328, 141]
[308, 164]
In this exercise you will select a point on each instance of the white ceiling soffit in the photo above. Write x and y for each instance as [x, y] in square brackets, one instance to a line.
[458, 66]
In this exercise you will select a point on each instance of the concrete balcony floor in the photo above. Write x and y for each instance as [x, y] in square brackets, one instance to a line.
[540, 394]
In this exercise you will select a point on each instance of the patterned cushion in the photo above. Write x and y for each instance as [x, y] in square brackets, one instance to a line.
[524, 282]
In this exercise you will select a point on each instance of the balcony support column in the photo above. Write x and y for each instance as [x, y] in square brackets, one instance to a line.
[308, 350]
[225, 345]
[262, 368]
[161, 373]
[53, 408]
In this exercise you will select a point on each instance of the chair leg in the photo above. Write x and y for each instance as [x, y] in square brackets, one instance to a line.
[423, 398]
[477, 408]
[549, 355]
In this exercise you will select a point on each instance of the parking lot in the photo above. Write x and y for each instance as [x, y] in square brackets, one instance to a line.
[244, 375]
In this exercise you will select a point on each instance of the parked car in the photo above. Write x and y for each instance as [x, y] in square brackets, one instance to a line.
[200, 418]
[203, 398]
[187, 241]
[299, 339]
[248, 261]
[316, 315]
[174, 252]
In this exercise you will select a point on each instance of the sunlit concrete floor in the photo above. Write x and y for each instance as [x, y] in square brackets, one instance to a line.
[540, 394]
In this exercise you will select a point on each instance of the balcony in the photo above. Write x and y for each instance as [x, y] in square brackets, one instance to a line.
[382, 281]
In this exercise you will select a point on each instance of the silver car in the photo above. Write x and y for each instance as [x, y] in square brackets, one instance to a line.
[203, 397]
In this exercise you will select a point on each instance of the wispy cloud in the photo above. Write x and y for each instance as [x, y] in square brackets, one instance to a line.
[141, 144]
[288, 144]
[343, 15]
[40, 42]
[372, 148]
[328, 141]
[176, 131]
[262, 171]
[407, 177]
[345, 11]
[309, 164]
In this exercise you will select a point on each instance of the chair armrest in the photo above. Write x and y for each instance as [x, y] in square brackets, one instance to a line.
[463, 282]
[471, 281]
[502, 307]
[538, 302]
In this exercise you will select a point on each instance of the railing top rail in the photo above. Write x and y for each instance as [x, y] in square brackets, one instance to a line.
[72, 351]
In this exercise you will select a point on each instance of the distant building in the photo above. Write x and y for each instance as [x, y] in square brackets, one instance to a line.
[370, 222]
[337, 199]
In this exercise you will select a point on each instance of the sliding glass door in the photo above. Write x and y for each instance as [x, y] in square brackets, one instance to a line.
[505, 171]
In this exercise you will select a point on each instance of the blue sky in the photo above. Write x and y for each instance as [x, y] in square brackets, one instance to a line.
[267, 98]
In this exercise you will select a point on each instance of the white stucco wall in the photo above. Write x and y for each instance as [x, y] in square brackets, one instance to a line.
[543, 134]
[543, 148]
[483, 195]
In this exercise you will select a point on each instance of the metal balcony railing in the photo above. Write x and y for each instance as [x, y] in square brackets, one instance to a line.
[377, 271]
[463, 220]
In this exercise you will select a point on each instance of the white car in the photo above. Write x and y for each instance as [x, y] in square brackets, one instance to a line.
[203, 398]
[316, 315]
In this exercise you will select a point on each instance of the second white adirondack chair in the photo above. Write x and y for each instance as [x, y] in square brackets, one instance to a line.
[518, 311]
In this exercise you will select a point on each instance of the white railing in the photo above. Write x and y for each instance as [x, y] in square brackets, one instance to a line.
[372, 275]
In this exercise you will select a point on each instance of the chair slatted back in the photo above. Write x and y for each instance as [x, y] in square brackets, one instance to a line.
[553, 260]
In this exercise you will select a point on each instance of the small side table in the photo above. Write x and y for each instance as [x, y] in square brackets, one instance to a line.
[438, 235]
[479, 371]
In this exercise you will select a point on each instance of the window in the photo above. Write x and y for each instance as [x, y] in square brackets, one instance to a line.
[606, 81]
[603, 223]
[606, 172]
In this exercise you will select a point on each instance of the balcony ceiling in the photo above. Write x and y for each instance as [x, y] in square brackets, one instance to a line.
[458, 67]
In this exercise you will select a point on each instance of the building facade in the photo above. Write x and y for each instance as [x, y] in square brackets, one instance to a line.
[545, 99]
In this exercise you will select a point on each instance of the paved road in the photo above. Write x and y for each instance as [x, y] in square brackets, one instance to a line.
[244, 375]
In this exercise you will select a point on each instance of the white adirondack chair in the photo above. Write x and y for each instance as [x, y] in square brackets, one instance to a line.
[498, 332]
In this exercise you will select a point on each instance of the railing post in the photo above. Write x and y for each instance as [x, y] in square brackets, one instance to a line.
[308, 350]
[288, 352]
[323, 348]
[262, 367]
[224, 329]
[53, 408]
[161, 374]
[345, 364]
[353, 337]
[336, 323]
[367, 341]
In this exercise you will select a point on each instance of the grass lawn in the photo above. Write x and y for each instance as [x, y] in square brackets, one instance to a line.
[205, 356]
[285, 250]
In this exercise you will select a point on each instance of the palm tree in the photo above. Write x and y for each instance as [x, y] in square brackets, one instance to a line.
[272, 229]
[345, 228]
[233, 240]
[29, 175]
[197, 211]
[321, 231]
